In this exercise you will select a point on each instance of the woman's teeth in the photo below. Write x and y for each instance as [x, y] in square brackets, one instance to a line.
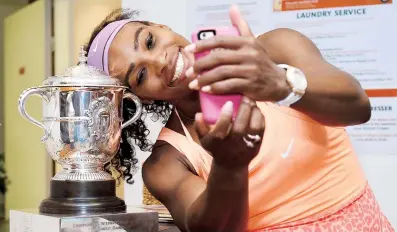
[179, 68]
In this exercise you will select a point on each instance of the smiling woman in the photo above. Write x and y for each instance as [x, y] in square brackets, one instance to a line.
[284, 163]
[125, 162]
[142, 51]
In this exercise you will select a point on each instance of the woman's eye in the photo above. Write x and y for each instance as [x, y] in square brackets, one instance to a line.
[150, 41]
[141, 76]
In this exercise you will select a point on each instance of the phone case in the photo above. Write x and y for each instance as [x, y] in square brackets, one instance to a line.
[211, 105]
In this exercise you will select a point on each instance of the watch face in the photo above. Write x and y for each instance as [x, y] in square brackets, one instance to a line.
[298, 79]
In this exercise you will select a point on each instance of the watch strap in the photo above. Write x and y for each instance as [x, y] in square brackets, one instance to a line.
[290, 99]
[293, 97]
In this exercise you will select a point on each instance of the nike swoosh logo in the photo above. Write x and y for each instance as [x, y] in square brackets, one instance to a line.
[96, 44]
[286, 153]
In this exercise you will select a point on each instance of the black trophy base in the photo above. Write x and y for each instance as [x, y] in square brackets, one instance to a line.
[82, 198]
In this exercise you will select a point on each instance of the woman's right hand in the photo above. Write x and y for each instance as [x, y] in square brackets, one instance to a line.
[231, 143]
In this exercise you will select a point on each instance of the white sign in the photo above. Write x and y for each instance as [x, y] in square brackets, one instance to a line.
[209, 13]
[356, 39]
[379, 135]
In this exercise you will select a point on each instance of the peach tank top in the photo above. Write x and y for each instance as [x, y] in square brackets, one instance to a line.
[303, 170]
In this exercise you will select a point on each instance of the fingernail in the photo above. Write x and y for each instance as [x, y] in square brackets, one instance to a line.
[189, 72]
[190, 47]
[206, 88]
[197, 117]
[194, 85]
[228, 108]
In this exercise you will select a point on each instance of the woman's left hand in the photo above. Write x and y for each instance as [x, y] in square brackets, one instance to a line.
[242, 66]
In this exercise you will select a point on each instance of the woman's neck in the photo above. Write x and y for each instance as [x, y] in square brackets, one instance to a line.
[188, 107]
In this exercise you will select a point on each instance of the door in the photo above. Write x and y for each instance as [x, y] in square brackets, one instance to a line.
[27, 62]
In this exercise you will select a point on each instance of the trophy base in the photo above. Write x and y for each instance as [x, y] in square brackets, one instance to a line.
[133, 220]
[82, 206]
[82, 198]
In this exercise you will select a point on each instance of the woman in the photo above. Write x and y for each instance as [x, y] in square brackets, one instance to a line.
[275, 167]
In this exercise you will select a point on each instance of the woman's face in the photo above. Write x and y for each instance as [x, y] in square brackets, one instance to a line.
[150, 61]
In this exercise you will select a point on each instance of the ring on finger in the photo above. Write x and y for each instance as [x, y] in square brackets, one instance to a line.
[249, 102]
[254, 138]
[248, 143]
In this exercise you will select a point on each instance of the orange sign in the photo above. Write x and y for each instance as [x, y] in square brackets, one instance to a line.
[289, 5]
[381, 92]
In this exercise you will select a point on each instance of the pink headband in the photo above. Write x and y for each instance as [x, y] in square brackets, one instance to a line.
[98, 53]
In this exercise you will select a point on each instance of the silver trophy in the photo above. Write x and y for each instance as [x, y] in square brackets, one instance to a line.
[82, 123]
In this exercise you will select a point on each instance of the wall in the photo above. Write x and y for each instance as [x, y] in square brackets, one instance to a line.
[27, 47]
[74, 21]
[173, 15]
[380, 170]
[5, 10]
[63, 35]
[87, 15]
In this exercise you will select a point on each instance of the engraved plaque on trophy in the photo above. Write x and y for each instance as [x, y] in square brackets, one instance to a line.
[134, 220]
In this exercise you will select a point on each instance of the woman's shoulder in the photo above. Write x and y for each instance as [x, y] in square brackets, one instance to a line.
[279, 33]
[173, 125]
[281, 44]
[173, 133]
[170, 147]
[164, 156]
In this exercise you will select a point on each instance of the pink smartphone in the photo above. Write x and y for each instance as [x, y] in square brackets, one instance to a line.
[211, 105]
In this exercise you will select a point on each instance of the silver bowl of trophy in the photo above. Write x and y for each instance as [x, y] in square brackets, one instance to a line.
[82, 123]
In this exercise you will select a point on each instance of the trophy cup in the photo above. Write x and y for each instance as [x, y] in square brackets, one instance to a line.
[82, 123]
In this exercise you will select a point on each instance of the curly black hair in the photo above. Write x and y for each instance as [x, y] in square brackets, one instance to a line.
[125, 162]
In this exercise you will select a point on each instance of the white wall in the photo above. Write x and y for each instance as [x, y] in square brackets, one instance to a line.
[159, 11]
[380, 169]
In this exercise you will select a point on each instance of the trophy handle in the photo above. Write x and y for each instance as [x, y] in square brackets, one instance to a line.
[22, 110]
[138, 112]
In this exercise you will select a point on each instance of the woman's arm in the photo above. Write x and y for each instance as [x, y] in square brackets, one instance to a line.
[248, 66]
[333, 97]
[221, 204]
[194, 204]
